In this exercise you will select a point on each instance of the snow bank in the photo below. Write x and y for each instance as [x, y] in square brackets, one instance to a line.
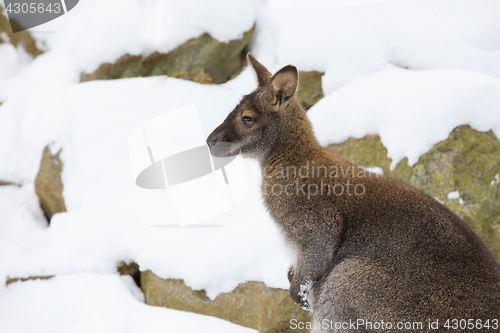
[349, 39]
[13, 60]
[46, 75]
[95, 32]
[22, 225]
[94, 303]
[410, 110]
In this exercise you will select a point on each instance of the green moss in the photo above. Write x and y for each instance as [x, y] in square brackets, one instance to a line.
[251, 304]
[218, 61]
[467, 161]
[310, 91]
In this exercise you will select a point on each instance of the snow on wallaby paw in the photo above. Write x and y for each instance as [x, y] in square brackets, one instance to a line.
[304, 294]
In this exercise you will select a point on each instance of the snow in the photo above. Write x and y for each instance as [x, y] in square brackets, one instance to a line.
[133, 288]
[455, 195]
[439, 201]
[91, 302]
[350, 39]
[410, 110]
[409, 71]
[13, 59]
[376, 170]
[304, 294]
[142, 27]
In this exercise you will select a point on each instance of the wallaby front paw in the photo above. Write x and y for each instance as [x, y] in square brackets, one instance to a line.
[299, 294]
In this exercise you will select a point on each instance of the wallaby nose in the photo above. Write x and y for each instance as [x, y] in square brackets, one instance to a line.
[211, 142]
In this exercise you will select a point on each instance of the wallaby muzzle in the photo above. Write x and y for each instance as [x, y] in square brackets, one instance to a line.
[220, 148]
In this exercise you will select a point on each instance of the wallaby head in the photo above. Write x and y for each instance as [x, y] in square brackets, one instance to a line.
[256, 124]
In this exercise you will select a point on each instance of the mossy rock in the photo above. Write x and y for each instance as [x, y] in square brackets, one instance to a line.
[202, 59]
[251, 304]
[310, 91]
[23, 37]
[6, 183]
[468, 162]
[127, 269]
[12, 280]
[48, 184]
[131, 269]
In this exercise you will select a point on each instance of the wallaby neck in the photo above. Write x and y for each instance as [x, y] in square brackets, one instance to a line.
[296, 143]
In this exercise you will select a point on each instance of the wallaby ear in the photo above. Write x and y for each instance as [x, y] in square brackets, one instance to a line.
[285, 83]
[263, 75]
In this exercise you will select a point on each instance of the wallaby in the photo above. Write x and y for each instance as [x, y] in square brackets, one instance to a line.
[369, 249]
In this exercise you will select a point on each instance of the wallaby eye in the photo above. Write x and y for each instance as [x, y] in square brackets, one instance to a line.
[247, 121]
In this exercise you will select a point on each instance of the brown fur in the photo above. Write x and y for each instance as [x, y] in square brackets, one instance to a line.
[392, 253]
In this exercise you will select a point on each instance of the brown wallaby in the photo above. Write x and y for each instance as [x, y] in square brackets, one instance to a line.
[370, 250]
